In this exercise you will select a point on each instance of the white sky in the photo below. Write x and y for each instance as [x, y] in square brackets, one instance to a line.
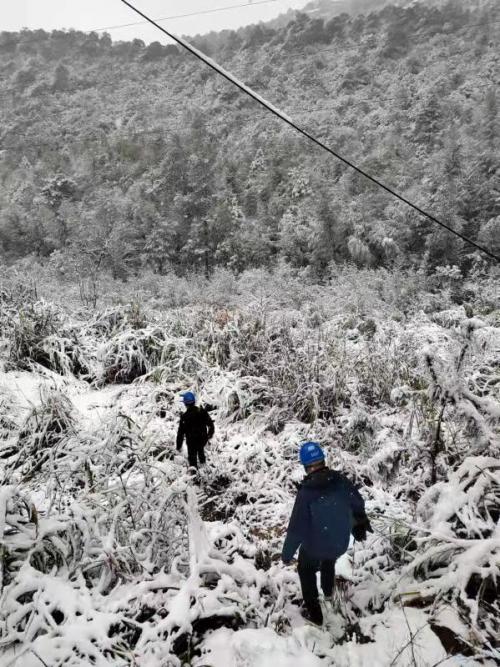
[92, 14]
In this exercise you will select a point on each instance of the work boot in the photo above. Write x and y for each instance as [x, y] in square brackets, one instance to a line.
[312, 612]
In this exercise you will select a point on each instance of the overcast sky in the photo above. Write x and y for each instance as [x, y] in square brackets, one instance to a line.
[92, 14]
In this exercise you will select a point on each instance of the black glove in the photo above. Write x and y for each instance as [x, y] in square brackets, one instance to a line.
[359, 530]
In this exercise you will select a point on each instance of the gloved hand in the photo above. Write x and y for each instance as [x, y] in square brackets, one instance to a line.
[360, 530]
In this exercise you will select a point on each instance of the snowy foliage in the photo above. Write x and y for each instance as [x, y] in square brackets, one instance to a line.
[123, 157]
[111, 554]
[150, 250]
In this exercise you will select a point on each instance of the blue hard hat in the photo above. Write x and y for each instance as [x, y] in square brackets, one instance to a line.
[311, 452]
[188, 398]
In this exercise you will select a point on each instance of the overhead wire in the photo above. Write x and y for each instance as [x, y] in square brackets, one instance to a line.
[305, 133]
[276, 112]
[252, 3]
[275, 54]
[188, 15]
[342, 98]
[113, 84]
[230, 7]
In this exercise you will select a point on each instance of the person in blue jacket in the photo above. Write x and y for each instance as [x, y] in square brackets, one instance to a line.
[328, 508]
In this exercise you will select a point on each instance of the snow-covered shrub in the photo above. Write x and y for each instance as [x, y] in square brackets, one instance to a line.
[40, 337]
[103, 324]
[359, 430]
[116, 555]
[45, 428]
[386, 361]
[31, 540]
[32, 601]
[16, 514]
[485, 293]
[221, 290]
[135, 317]
[9, 426]
[130, 354]
[34, 326]
[451, 397]
[18, 288]
[306, 378]
[459, 548]
[7, 423]
[390, 455]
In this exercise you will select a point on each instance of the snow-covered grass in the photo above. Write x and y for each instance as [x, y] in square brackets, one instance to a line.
[111, 554]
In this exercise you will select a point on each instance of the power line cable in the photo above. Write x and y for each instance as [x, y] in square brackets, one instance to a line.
[281, 116]
[183, 16]
[113, 84]
[281, 53]
[252, 3]
[276, 112]
[217, 9]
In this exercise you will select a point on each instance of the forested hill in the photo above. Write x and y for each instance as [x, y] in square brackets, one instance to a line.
[121, 155]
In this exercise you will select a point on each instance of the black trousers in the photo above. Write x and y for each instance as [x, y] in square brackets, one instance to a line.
[196, 452]
[307, 568]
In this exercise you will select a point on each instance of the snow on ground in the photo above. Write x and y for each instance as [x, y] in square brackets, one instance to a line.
[131, 561]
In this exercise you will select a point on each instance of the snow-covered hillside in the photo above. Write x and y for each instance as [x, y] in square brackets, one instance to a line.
[112, 554]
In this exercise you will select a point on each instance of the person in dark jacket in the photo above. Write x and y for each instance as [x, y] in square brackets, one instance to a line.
[328, 508]
[197, 427]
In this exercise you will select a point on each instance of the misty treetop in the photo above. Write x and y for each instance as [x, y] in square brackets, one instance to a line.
[119, 156]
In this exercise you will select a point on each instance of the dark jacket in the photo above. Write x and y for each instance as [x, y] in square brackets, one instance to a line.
[196, 426]
[328, 508]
